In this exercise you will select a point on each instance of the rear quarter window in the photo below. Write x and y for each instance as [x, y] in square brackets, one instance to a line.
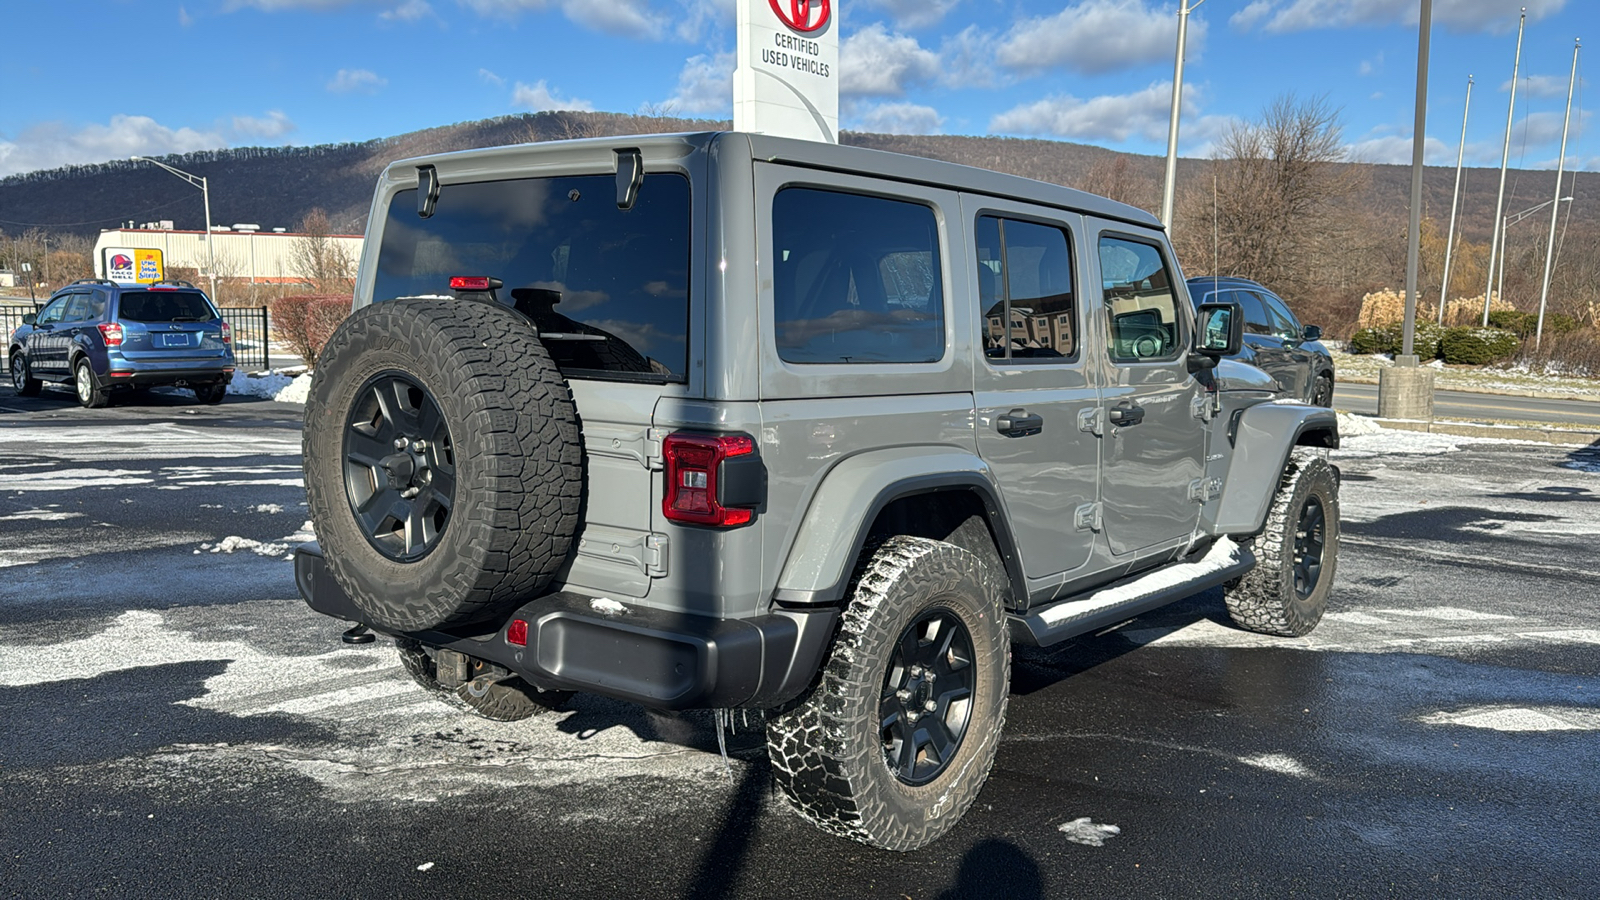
[857, 279]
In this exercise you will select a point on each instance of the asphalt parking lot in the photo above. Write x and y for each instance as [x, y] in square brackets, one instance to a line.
[177, 724]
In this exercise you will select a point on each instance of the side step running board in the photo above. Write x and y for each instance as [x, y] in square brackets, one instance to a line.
[1133, 596]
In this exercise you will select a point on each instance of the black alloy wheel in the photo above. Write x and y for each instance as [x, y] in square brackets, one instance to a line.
[926, 703]
[399, 465]
[1309, 540]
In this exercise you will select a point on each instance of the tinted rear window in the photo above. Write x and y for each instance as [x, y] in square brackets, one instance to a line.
[608, 288]
[165, 306]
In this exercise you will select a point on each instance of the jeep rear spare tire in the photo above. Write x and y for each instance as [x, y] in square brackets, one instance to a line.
[443, 462]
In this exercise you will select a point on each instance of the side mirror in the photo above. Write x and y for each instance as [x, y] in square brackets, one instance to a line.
[1219, 329]
[1312, 333]
[29, 319]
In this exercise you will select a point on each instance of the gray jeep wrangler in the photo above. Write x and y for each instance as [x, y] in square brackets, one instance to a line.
[733, 422]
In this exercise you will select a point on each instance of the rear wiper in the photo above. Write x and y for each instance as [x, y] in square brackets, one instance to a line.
[185, 318]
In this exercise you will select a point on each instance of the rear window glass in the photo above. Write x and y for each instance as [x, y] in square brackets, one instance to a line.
[856, 279]
[608, 288]
[164, 306]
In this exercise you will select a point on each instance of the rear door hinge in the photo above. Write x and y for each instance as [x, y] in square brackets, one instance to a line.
[1205, 490]
[1092, 420]
[1087, 517]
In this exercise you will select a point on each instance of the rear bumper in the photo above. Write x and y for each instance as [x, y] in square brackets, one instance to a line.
[648, 656]
[148, 377]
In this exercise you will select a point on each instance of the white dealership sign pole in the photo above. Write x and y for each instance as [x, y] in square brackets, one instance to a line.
[787, 80]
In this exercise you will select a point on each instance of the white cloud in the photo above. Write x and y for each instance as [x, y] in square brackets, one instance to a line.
[538, 97]
[900, 118]
[409, 11]
[1395, 150]
[1545, 128]
[50, 145]
[1458, 15]
[705, 85]
[1097, 36]
[914, 13]
[968, 59]
[873, 62]
[628, 18]
[1114, 117]
[1542, 85]
[1246, 18]
[184, 19]
[349, 81]
[491, 77]
[1369, 66]
[704, 16]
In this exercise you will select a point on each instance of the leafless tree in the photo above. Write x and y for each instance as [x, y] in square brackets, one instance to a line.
[323, 262]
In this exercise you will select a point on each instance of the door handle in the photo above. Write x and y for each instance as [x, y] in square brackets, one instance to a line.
[1019, 423]
[1125, 414]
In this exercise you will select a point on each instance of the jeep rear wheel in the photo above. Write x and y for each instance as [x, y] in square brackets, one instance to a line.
[1287, 591]
[892, 745]
[443, 461]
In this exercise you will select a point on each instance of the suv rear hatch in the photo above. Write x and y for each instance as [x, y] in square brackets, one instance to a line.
[168, 326]
[608, 290]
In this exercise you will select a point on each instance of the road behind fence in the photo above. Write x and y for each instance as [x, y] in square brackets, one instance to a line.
[249, 325]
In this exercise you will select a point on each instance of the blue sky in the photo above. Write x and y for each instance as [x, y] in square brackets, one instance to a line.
[105, 80]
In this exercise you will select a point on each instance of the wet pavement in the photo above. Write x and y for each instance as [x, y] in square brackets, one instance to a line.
[177, 724]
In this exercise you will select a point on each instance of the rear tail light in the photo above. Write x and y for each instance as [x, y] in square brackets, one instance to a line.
[227, 333]
[712, 480]
[112, 333]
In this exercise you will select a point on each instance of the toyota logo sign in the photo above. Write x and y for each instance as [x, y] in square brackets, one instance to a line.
[804, 16]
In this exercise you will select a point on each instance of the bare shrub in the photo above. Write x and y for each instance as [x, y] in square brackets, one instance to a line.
[323, 262]
[306, 321]
[1574, 353]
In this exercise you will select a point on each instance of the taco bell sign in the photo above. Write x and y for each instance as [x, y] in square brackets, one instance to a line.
[787, 79]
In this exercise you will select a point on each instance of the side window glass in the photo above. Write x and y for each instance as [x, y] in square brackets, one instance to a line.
[53, 312]
[856, 279]
[1283, 321]
[1140, 303]
[1255, 315]
[1025, 291]
[77, 308]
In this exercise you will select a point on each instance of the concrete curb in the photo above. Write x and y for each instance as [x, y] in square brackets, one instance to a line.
[1512, 432]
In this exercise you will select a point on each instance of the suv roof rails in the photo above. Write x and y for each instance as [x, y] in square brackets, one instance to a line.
[94, 281]
[177, 281]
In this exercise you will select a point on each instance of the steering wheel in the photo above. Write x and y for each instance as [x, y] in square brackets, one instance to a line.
[1146, 346]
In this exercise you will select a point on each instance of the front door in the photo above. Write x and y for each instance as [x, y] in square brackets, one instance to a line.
[47, 345]
[1033, 387]
[1154, 442]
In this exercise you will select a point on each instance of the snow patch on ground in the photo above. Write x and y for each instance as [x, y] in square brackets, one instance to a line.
[163, 440]
[1543, 718]
[282, 385]
[233, 542]
[1448, 614]
[1087, 832]
[1386, 440]
[267, 508]
[40, 515]
[1278, 762]
[1350, 426]
[71, 479]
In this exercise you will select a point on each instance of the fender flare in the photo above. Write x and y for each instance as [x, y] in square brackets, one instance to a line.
[829, 540]
[1262, 440]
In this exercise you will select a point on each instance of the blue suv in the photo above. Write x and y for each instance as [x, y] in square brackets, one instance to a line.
[102, 337]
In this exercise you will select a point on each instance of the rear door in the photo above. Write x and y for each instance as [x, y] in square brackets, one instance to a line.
[1154, 441]
[1034, 390]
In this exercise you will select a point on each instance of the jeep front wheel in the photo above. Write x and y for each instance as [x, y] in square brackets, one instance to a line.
[1287, 591]
[442, 461]
[894, 742]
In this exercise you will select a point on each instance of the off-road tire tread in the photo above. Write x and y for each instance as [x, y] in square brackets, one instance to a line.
[1263, 600]
[518, 455]
[831, 770]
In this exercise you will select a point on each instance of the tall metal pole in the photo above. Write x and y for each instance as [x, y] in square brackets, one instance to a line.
[1172, 127]
[1418, 141]
[211, 254]
[1505, 158]
[1455, 201]
[1555, 204]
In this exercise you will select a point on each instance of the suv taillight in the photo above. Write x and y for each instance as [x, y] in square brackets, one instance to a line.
[112, 333]
[227, 333]
[712, 480]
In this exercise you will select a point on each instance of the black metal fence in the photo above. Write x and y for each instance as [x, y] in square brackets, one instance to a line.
[10, 318]
[250, 350]
[249, 323]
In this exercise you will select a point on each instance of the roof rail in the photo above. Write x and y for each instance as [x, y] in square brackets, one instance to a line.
[94, 281]
[177, 281]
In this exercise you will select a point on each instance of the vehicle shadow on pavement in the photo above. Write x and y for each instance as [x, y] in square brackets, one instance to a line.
[998, 869]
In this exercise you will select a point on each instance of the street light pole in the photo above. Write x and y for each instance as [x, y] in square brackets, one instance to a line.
[1505, 157]
[1455, 201]
[205, 189]
[1177, 103]
[1555, 202]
